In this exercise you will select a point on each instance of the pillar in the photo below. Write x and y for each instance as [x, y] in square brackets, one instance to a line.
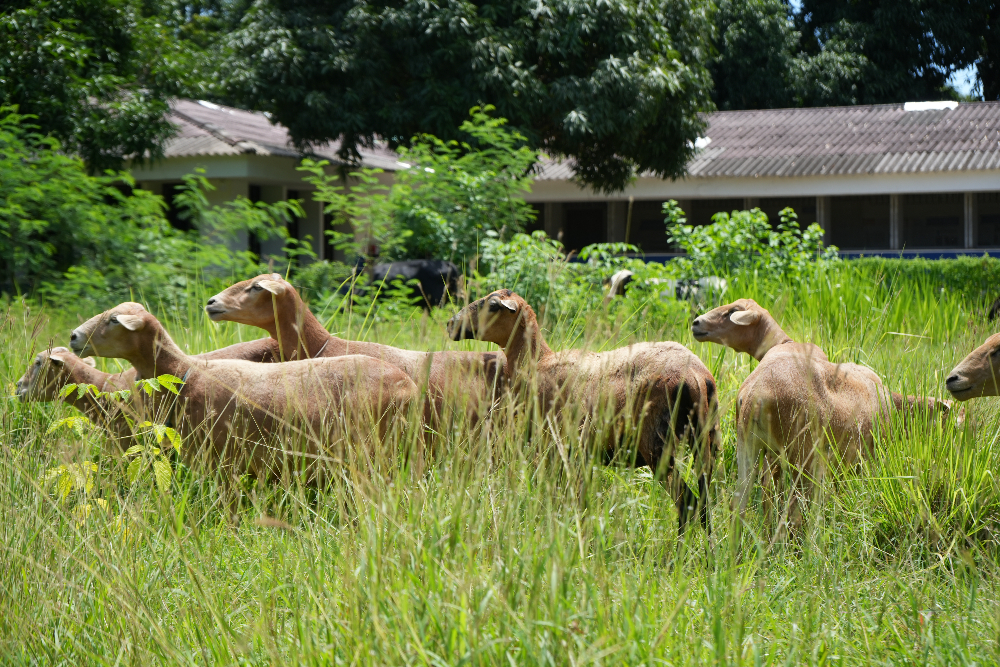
[750, 202]
[971, 218]
[896, 222]
[617, 220]
[823, 218]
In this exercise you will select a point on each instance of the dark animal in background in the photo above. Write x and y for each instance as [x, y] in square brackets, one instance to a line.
[438, 278]
[994, 310]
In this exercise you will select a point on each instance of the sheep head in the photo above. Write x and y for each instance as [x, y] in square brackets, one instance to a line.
[46, 376]
[740, 325]
[121, 332]
[977, 374]
[493, 318]
[251, 301]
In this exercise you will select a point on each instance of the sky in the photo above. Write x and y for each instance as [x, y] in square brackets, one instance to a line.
[964, 80]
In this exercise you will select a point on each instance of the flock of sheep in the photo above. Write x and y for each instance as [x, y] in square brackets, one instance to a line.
[289, 404]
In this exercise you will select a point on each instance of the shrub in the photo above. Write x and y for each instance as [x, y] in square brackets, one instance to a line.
[744, 241]
[444, 200]
[71, 237]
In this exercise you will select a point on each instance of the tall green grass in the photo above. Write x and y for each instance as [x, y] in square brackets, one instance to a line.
[509, 544]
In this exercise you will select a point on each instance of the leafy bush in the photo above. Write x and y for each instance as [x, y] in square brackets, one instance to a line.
[452, 192]
[443, 201]
[744, 241]
[69, 236]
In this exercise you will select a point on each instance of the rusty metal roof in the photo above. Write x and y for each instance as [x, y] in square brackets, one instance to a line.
[205, 128]
[878, 139]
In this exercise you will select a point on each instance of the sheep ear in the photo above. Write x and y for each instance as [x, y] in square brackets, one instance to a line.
[131, 322]
[57, 361]
[272, 286]
[509, 304]
[745, 318]
[90, 362]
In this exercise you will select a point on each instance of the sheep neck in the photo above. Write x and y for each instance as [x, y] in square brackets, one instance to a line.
[526, 345]
[771, 335]
[166, 358]
[298, 332]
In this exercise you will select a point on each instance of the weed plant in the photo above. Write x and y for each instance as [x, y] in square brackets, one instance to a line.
[510, 543]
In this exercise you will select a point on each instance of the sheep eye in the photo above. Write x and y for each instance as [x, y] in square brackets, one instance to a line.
[256, 287]
[995, 352]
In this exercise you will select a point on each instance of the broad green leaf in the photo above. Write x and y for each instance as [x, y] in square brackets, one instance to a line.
[169, 383]
[161, 469]
[174, 437]
[134, 449]
[78, 423]
[134, 468]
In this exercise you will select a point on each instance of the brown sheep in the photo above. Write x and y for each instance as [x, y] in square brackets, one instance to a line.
[977, 374]
[54, 369]
[322, 404]
[796, 399]
[664, 386]
[271, 303]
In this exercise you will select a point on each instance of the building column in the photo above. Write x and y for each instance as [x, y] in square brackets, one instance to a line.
[971, 218]
[750, 202]
[617, 220]
[553, 219]
[823, 218]
[896, 222]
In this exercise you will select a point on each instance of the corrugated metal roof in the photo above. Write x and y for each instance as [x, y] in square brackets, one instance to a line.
[204, 128]
[878, 139]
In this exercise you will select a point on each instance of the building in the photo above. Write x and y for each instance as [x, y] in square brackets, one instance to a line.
[917, 178]
[923, 178]
[244, 154]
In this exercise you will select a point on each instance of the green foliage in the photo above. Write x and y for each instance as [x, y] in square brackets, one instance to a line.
[745, 242]
[71, 237]
[54, 217]
[440, 204]
[452, 193]
[761, 63]
[616, 86]
[95, 73]
[360, 212]
[533, 266]
[909, 49]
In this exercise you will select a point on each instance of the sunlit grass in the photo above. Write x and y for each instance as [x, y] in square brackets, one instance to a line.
[508, 545]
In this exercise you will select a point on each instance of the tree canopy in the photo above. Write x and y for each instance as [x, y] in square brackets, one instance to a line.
[827, 52]
[614, 85]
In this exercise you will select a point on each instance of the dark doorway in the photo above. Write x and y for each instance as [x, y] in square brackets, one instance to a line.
[933, 220]
[804, 207]
[293, 224]
[583, 225]
[860, 222]
[170, 192]
[702, 210]
[253, 242]
[649, 229]
[539, 223]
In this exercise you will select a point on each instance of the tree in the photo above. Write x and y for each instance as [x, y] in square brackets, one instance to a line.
[761, 64]
[616, 85]
[96, 74]
[910, 47]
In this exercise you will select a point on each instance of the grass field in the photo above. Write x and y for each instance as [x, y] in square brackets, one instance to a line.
[513, 547]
